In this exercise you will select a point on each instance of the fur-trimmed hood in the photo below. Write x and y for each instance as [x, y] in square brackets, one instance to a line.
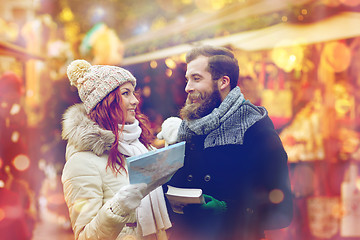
[83, 134]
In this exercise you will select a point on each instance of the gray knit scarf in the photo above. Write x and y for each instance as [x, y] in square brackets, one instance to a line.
[226, 124]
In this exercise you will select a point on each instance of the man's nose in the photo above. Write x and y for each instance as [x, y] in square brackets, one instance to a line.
[189, 87]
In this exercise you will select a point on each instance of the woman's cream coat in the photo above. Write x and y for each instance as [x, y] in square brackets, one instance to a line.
[88, 185]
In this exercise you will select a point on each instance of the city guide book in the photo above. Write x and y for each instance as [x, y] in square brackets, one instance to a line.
[179, 197]
[156, 167]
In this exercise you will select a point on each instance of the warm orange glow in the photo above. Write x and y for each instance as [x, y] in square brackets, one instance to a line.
[351, 3]
[15, 136]
[186, 2]
[276, 196]
[15, 109]
[4, 104]
[2, 214]
[168, 72]
[337, 211]
[358, 183]
[183, 57]
[210, 5]
[57, 198]
[42, 164]
[66, 15]
[72, 31]
[153, 64]
[1, 163]
[21, 162]
[336, 56]
[170, 63]
[147, 91]
[158, 23]
[284, 18]
[289, 58]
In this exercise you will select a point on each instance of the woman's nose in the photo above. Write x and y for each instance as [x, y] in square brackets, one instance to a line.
[135, 101]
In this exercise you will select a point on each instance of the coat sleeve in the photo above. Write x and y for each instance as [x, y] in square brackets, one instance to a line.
[90, 217]
[272, 185]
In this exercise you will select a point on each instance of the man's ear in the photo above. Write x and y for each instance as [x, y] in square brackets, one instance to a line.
[224, 83]
[224, 86]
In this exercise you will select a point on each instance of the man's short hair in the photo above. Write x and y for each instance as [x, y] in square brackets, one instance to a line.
[222, 62]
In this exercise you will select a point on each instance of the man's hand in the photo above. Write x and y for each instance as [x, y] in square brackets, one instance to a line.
[211, 206]
[169, 130]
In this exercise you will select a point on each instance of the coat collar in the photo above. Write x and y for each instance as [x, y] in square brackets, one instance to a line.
[83, 134]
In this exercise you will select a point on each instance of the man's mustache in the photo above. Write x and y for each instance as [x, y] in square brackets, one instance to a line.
[194, 96]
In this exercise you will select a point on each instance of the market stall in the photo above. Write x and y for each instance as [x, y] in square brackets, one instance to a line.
[299, 59]
[307, 76]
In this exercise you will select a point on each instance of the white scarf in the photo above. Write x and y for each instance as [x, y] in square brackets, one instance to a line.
[129, 143]
[152, 213]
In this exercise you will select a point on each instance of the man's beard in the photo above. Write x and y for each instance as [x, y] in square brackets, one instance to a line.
[192, 111]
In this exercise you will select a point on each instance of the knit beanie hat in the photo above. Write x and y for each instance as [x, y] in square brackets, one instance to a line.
[95, 82]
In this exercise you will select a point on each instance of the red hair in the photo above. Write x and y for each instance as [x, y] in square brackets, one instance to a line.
[109, 114]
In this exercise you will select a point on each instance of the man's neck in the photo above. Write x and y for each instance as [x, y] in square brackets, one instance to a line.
[224, 93]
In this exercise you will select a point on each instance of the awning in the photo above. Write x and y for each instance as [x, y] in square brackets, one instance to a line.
[9, 49]
[342, 26]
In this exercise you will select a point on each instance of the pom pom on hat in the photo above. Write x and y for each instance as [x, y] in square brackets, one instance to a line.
[76, 71]
[95, 82]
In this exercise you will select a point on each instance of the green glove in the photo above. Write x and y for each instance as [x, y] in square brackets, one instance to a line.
[211, 206]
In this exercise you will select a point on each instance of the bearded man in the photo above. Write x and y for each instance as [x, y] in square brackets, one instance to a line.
[233, 154]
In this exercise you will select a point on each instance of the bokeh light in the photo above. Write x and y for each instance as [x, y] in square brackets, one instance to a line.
[146, 91]
[153, 64]
[183, 57]
[336, 56]
[170, 63]
[158, 23]
[210, 5]
[168, 72]
[276, 196]
[15, 136]
[97, 14]
[15, 109]
[21, 162]
[288, 58]
[358, 183]
[66, 15]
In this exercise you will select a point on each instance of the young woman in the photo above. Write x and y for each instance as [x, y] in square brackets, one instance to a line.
[101, 132]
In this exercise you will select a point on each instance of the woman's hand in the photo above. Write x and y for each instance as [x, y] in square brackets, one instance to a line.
[128, 198]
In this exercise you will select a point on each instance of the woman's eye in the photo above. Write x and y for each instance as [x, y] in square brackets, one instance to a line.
[125, 93]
